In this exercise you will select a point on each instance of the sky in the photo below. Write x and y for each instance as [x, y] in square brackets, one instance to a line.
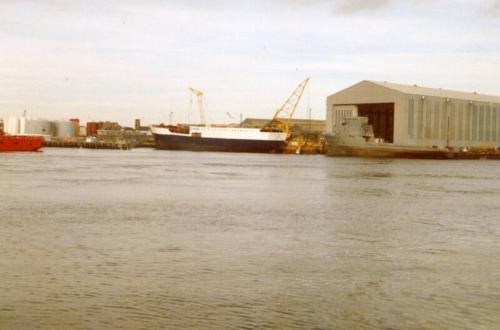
[121, 60]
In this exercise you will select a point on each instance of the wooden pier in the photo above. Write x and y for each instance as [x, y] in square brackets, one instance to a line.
[88, 145]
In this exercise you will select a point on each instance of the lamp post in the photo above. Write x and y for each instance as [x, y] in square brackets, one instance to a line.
[448, 126]
[310, 120]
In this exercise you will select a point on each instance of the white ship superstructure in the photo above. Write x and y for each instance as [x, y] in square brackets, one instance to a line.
[225, 133]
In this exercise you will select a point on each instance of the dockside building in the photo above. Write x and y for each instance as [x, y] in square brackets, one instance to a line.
[414, 115]
[308, 126]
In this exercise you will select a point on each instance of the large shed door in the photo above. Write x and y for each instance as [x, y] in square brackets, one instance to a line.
[381, 117]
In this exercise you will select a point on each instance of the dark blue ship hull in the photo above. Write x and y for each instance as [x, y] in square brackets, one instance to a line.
[193, 143]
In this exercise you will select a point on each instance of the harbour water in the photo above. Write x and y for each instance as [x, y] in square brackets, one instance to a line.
[145, 239]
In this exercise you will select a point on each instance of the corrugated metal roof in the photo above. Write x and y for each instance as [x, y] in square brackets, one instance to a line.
[438, 92]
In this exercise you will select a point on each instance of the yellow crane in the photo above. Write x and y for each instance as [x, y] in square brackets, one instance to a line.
[199, 96]
[281, 119]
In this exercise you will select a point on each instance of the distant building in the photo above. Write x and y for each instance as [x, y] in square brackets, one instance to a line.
[414, 115]
[130, 135]
[91, 128]
[306, 126]
[76, 123]
[109, 125]
[137, 124]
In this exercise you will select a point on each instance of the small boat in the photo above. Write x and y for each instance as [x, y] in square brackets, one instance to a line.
[20, 143]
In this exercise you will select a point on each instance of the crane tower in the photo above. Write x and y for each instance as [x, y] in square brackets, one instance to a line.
[199, 97]
[282, 117]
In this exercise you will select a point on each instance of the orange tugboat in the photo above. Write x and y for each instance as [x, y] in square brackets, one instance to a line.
[20, 143]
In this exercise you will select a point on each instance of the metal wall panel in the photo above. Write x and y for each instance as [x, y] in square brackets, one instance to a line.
[452, 123]
[494, 118]
[420, 120]
[435, 121]
[411, 118]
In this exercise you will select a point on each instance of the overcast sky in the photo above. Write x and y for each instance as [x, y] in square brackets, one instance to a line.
[126, 59]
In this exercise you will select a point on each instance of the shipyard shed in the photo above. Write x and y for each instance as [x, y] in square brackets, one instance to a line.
[420, 116]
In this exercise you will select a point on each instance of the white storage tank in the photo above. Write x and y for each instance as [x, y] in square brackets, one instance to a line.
[11, 125]
[37, 127]
[22, 124]
[64, 129]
